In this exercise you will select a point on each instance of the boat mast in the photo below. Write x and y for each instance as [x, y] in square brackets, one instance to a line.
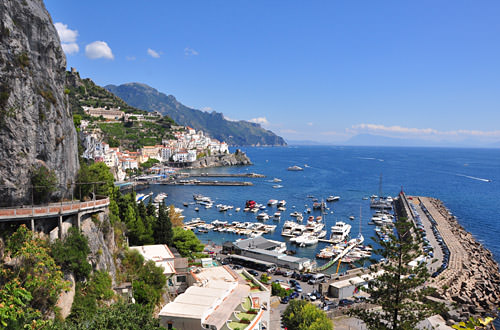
[380, 187]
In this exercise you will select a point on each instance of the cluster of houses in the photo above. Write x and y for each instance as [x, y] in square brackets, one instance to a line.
[184, 148]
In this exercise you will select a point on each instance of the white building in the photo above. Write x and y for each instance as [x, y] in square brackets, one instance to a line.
[214, 301]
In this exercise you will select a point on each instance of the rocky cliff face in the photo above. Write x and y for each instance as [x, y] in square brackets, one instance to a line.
[36, 126]
[238, 158]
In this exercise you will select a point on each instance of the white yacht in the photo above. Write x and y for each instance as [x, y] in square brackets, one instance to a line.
[340, 231]
[263, 216]
[288, 227]
[332, 198]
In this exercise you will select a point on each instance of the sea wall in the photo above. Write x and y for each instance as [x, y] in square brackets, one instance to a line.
[473, 280]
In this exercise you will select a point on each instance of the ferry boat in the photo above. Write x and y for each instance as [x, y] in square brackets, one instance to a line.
[295, 168]
[340, 231]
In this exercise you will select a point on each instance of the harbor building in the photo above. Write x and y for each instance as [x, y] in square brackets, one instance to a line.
[219, 299]
[263, 249]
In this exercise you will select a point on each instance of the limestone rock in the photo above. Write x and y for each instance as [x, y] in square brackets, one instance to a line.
[36, 125]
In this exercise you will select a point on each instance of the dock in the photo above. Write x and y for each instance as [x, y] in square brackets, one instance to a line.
[224, 175]
[202, 183]
[339, 256]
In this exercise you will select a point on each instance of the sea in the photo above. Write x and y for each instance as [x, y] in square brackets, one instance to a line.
[466, 180]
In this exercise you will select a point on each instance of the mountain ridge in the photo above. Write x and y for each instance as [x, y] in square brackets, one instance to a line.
[213, 123]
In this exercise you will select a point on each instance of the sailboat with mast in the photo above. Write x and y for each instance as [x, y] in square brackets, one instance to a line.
[379, 202]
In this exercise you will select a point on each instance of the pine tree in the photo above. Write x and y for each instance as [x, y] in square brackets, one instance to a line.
[399, 289]
[163, 233]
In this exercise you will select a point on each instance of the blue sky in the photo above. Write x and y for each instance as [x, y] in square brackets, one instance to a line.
[308, 70]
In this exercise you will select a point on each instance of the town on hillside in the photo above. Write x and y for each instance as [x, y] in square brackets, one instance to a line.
[184, 147]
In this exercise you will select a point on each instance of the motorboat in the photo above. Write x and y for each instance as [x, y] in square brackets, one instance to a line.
[282, 203]
[277, 215]
[277, 180]
[272, 202]
[295, 168]
[332, 198]
[160, 197]
[288, 227]
[263, 216]
[340, 231]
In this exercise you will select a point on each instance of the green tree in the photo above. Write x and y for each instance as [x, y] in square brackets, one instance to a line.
[302, 315]
[149, 163]
[71, 254]
[399, 290]
[186, 242]
[33, 281]
[163, 233]
[44, 182]
[94, 177]
[117, 316]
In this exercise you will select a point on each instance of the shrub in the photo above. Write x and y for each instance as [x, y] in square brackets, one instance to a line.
[71, 254]
[44, 182]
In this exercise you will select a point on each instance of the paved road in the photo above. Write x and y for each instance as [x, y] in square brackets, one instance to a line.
[438, 252]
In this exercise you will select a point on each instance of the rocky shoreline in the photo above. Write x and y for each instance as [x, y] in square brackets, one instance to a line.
[473, 284]
[237, 158]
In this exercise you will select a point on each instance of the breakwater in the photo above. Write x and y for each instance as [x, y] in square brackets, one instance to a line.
[472, 278]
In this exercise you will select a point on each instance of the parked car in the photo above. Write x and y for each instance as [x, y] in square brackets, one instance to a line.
[293, 283]
[310, 297]
[298, 288]
[285, 300]
[294, 295]
[253, 272]
[287, 273]
[345, 302]
[278, 272]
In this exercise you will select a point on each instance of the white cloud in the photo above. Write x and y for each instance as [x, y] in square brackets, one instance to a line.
[310, 124]
[420, 131]
[98, 49]
[190, 52]
[66, 35]
[68, 38]
[130, 58]
[153, 53]
[71, 48]
[207, 109]
[259, 120]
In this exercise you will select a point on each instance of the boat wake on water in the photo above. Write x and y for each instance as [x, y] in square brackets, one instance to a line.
[370, 158]
[474, 178]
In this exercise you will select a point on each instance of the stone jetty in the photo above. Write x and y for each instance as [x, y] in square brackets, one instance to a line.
[472, 279]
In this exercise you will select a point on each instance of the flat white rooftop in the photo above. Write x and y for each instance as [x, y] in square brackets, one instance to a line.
[160, 254]
[213, 298]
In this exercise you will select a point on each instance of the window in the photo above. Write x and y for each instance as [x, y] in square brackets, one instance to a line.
[181, 278]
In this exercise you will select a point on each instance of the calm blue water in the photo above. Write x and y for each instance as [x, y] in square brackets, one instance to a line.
[452, 175]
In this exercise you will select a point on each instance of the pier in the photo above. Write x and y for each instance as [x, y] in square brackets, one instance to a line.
[202, 183]
[339, 256]
[224, 175]
[471, 276]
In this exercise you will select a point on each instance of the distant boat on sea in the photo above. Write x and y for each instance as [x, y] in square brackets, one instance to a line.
[295, 168]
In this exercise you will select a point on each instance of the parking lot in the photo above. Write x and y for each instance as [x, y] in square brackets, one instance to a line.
[304, 292]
